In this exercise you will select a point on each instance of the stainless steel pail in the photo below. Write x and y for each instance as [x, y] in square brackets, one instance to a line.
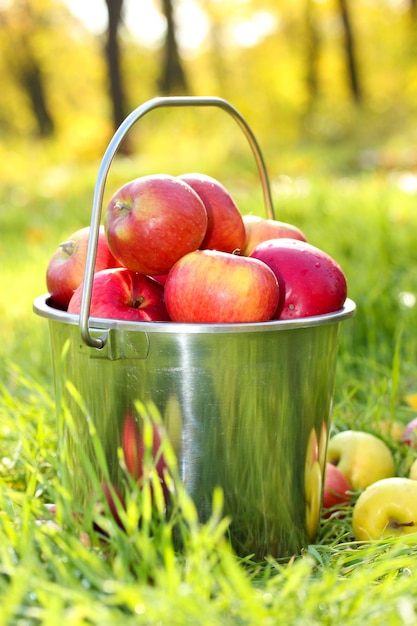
[246, 407]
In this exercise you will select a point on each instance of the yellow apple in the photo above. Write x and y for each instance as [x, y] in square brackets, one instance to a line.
[312, 453]
[386, 508]
[390, 428]
[313, 495]
[412, 474]
[362, 457]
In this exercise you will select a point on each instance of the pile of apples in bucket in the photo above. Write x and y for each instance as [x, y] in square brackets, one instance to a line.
[176, 248]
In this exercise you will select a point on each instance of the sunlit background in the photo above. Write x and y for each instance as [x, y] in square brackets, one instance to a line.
[306, 74]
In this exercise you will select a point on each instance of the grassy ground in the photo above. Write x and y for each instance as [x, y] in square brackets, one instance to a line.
[50, 574]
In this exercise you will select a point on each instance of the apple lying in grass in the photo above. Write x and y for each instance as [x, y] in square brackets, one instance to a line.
[123, 295]
[390, 429]
[412, 473]
[386, 508]
[362, 457]
[209, 286]
[336, 490]
[259, 229]
[225, 227]
[409, 434]
[152, 221]
[65, 271]
[311, 282]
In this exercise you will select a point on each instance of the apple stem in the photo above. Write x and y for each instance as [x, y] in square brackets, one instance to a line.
[122, 206]
[136, 304]
[68, 247]
[396, 524]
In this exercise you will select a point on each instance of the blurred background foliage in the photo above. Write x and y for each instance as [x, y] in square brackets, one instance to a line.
[307, 74]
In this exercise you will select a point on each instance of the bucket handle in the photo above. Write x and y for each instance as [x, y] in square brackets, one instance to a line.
[136, 114]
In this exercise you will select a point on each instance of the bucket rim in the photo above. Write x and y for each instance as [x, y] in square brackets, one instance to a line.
[43, 308]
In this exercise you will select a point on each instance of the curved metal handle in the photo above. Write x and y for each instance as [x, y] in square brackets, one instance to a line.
[136, 114]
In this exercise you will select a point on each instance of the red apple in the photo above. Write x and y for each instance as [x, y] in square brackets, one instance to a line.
[153, 221]
[161, 279]
[259, 229]
[209, 286]
[65, 271]
[311, 282]
[225, 227]
[409, 433]
[123, 295]
[133, 447]
[115, 502]
[336, 487]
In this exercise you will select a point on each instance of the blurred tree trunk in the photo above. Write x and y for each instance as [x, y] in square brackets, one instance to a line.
[31, 79]
[312, 55]
[18, 26]
[173, 79]
[350, 51]
[113, 58]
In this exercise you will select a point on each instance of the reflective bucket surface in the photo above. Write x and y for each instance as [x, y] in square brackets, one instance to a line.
[246, 407]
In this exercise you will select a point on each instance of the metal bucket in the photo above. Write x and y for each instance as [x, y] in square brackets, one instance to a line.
[246, 407]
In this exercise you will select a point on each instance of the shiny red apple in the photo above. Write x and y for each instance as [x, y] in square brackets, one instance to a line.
[209, 286]
[225, 227]
[123, 295]
[134, 451]
[311, 282]
[259, 229]
[65, 271]
[337, 488]
[152, 221]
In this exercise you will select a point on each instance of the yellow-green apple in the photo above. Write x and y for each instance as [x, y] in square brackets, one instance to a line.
[337, 488]
[311, 282]
[259, 229]
[152, 221]
[386, 508]
[123, 295]
[209, 286]
[65, 271]
[409, 433]
[312, 452]
[225, 227]
[312, 483]
[362, 457]
[391, 429]
[412, 473]
[313, 491]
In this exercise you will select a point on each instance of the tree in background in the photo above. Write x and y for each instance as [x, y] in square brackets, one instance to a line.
[312, 48]
[173, 79]
[113, 58]
[350, 52]
[18, 26]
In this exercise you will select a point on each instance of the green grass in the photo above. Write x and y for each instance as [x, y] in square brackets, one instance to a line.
[51, 573]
